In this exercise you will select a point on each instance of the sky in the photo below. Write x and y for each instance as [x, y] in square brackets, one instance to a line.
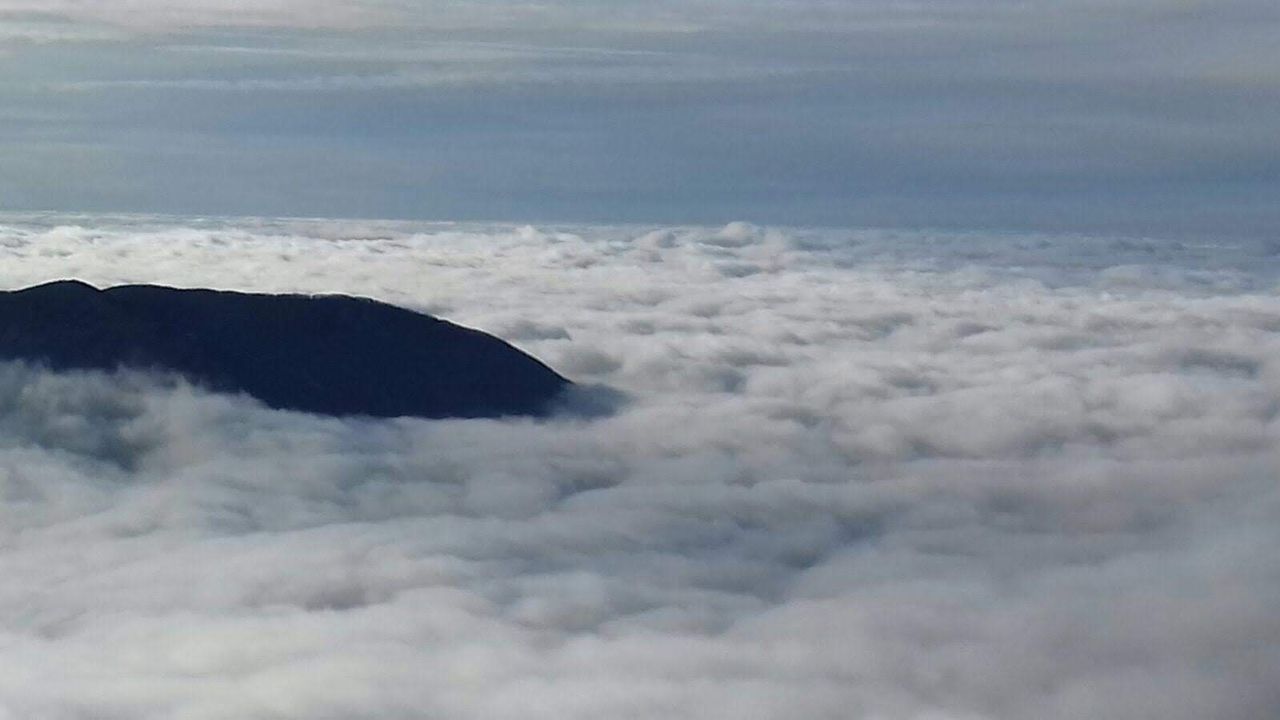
[852, 473]
[1142, 117]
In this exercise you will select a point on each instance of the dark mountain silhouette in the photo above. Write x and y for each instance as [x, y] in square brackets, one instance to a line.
[333, 354]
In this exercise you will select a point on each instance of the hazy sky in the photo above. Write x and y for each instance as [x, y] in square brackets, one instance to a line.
[1132, 116]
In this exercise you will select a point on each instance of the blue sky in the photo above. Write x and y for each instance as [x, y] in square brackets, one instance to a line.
[1137, 116]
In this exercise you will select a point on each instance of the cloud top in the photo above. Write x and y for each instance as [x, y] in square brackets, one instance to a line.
[888, 474]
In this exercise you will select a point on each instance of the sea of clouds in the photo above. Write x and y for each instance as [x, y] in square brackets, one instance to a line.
[857, 474]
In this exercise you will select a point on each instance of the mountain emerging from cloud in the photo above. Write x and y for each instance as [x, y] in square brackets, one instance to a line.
[335, 354]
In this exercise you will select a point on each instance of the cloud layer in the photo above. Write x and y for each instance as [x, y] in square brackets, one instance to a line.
[884, 475]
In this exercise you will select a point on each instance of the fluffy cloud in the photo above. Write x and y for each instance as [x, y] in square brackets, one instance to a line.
[886, 475]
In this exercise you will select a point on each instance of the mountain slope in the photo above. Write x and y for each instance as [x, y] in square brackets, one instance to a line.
[330, 354]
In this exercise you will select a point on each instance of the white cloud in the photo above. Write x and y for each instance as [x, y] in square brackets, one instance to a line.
[885, 474]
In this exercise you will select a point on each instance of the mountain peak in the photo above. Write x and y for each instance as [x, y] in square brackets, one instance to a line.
[328, 354]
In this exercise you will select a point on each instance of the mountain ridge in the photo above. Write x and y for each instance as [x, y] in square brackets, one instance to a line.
[328, 354]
